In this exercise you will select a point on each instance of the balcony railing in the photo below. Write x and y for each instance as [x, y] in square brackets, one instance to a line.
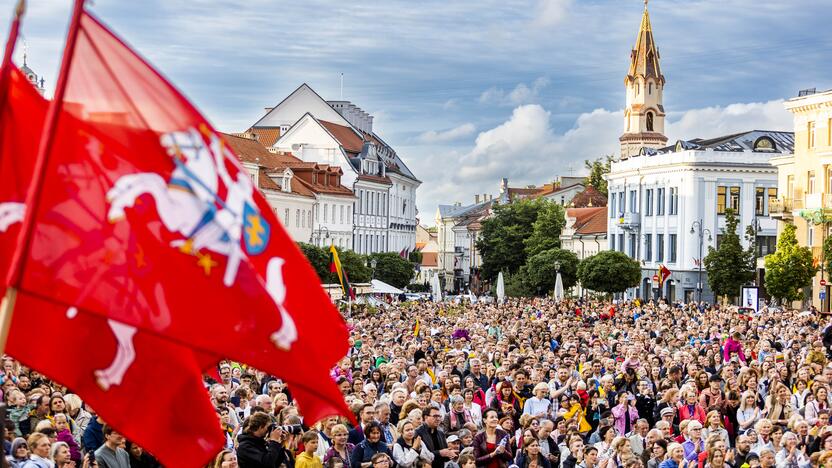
[781, 207]
[629, 220]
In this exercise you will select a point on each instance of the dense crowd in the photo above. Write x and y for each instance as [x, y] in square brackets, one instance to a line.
[529, 383]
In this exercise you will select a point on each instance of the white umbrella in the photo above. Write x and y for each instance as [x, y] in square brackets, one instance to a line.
[501, 288]
[558, 288]
[436, 288]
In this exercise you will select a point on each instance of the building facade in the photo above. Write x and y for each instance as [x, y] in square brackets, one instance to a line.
[805, 182]
[584, 234]
[659, 201]
[338, 133]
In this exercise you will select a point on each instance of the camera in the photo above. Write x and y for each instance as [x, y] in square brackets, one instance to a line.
[294, 429]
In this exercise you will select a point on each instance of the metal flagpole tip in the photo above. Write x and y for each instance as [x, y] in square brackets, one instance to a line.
[20, 9]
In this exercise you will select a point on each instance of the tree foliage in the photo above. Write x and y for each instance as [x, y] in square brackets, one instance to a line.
[551, 218]
[392, 269]
[827, 255]
[729, 266]
[517, 284]
[541, 273]
[502, 243]
[353, 263]
[597, 169]
[790, 268]
[609, 271]
[415, 257]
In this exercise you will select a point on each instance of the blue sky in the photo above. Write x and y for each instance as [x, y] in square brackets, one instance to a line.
[468, 92]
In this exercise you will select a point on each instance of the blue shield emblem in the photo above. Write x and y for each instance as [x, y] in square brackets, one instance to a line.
[256, 230]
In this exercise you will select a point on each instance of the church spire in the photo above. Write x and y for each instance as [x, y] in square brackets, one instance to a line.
[644, 58]
[644, 113]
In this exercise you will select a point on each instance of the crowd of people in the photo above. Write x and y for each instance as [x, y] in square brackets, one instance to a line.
[531, 383]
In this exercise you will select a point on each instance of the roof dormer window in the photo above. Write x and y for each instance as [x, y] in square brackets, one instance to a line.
[286, 181]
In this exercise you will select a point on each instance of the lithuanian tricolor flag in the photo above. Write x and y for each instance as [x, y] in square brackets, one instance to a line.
[416, 328]
[335, 267]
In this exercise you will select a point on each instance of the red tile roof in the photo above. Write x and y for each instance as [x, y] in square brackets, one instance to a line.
[377, 179]
[267, 136]
[590, 196]
[430, 259]
[589, 221]
[351, 142]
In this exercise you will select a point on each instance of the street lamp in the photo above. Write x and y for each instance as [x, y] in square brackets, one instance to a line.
[322, 228]
[697, 228]
[373, 264]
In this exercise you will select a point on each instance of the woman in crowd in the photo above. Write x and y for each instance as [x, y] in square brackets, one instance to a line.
[491, 445]
[362, 455]
[341, 449]
[530, 456]
[409, 451]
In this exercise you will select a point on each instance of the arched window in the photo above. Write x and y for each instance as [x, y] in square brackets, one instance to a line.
[650, 89]
[649, 121]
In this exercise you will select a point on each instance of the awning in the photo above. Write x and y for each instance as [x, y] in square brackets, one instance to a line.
[380, 287]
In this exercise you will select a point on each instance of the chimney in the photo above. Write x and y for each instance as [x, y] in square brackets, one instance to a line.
[477, 198]
[457, 203]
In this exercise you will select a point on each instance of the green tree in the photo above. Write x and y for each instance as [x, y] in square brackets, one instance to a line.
[827, 255]
[546, 229]
[517, 284]
[502, 242]
[541, 273]
[597, 169]
[415, 257]
[729, 266]
[790, 268]
[318, 257]
[609, 271]
[355, 265]
[392, 269]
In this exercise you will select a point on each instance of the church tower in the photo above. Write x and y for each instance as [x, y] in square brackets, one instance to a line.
[644, 113]
[30, 74]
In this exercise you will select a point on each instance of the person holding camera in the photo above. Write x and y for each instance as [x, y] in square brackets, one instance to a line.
[261, 444]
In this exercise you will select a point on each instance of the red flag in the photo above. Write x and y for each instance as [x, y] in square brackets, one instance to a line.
[664, 274]
[157, 367]
[144, 216]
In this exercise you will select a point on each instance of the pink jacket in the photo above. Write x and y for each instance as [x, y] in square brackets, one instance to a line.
[620, 413]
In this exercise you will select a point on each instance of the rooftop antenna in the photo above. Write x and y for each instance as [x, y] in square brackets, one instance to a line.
[342, 86]
[25, 51]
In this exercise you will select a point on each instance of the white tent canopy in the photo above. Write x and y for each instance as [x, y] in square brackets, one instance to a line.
[380, 287]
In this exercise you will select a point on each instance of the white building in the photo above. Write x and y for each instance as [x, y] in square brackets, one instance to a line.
[661, 198]
[308, 198]
[585, 233]
[457, 231]
[337, 133]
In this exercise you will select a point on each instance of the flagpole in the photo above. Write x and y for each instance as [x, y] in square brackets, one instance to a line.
[7, 303]
[47, 139]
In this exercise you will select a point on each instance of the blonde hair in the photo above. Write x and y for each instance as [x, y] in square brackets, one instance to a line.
[339, 428]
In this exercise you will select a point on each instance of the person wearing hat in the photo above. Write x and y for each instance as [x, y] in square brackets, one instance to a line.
[667, 415]
[711, 398]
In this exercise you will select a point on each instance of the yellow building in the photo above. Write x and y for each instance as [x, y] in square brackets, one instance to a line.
[805, 181]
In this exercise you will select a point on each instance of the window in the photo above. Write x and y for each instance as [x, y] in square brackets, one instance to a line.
[648, 202]
[672, 241]
[766, 245]
[735, 199]
[648, 247]
[674, 201]
[341, 213]
[759, 201]
[621, 205]
[810, 182]
[612, 242]
[326, 212]
[659, 247]
[349, 214]
[718, 241]
[660, 202]
[303, 220]
[310, 218]
[297, 218]
[810, 134]
[286, 217]
[720, 199]
[790, 187]
[612, 210]
[772, 197]
[632, 201]
[638, 88]
[333, 214]
[621, 242]
[649, 121]
[810, 235]
[650, 88]
[633, 245]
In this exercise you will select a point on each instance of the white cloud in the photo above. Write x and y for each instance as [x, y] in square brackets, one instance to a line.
[444, 136]
[521, 94]
[551, 12]
[450, 104]
[527, 150]
[712, 122]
